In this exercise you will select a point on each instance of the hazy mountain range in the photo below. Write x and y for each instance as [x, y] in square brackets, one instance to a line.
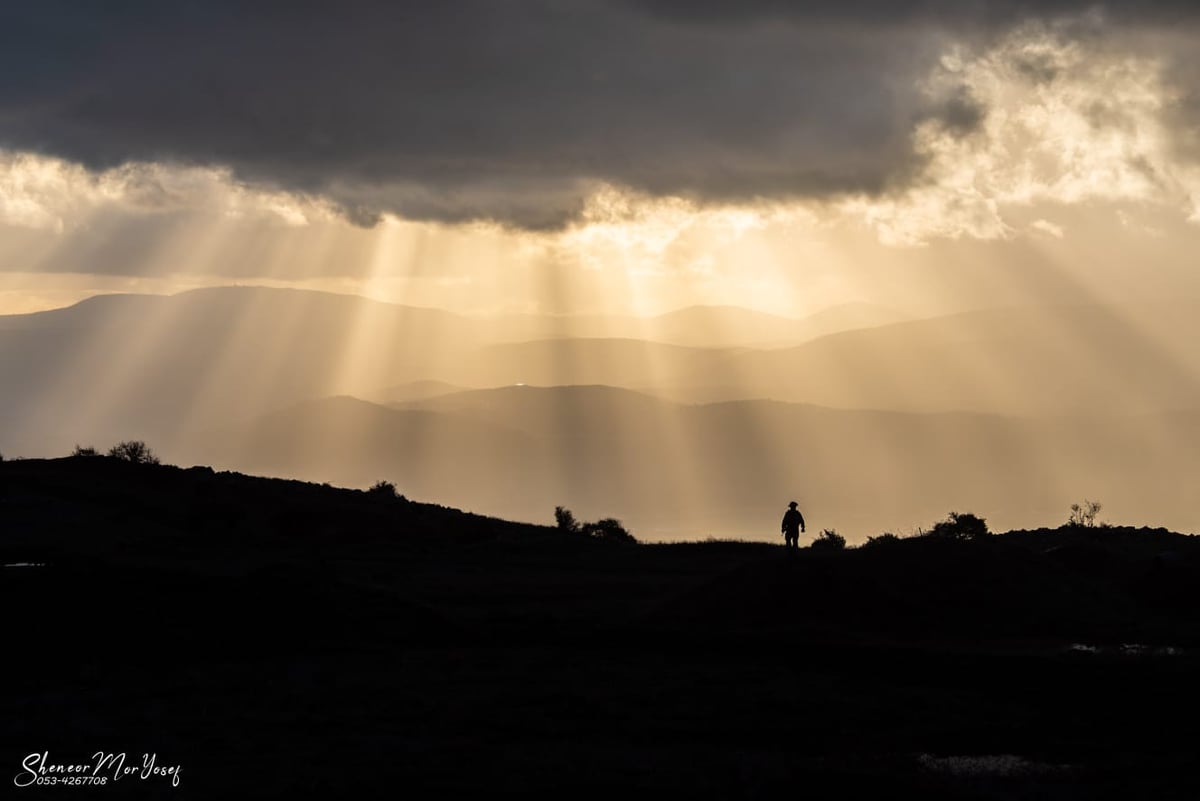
[724, 469]
[704, 421]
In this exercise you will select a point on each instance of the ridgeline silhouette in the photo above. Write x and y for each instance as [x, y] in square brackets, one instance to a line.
[334, 388]
[405, 640]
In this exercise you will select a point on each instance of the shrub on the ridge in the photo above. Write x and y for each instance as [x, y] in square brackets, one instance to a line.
[133, 450]
[565, 520]
[1084, 516]
[829, 540]
[959, 526]
[609, 529]
[384, 489]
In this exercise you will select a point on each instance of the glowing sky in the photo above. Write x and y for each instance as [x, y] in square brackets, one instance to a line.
[602, 155]
[917, 158]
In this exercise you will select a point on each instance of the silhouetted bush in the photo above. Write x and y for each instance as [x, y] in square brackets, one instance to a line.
[829, 540]
[565, 521]
[133, 450]
[1084, 516]
[385, 490]
[959, 526]
[608, 529]
[886, 538]
[82, 451]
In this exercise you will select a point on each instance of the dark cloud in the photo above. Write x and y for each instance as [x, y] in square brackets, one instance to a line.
[466, 109]
[956, 12]
[959, 113]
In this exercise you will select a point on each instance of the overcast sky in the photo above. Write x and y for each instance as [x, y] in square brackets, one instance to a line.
[636, 154]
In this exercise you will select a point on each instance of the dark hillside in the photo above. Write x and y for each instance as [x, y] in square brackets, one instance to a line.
[297, 640]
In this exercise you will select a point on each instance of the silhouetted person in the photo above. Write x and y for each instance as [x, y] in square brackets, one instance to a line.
[792, 525]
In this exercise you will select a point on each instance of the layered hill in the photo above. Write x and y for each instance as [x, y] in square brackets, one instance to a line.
[160, 367]
[384, 641]
[156, 366]
[702, 326]
[1033, 361]
[1013, 414]
[119, 366]
[689, 471]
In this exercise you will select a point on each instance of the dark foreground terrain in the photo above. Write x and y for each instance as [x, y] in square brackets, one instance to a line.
[281, 639]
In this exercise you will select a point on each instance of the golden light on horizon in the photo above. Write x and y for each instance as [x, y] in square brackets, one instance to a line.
[431, 387]
[1052, 179]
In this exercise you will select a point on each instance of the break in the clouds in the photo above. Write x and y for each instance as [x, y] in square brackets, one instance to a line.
[1059, 121]
[519, 112]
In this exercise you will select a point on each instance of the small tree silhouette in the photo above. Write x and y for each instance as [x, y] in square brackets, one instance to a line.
[384, 489]
[959, 526]
[886, 538]
[829, 540]
[565, 521]
[1084, 516]
[133, 450]
[82, 451]
[608, 529]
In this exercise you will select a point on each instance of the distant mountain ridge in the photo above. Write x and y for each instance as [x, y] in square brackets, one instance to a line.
[161, 365]
[705, 326]
[681, 437]
[675, 470]
[1032, 361]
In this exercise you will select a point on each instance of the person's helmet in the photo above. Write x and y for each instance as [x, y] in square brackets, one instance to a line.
[793, 505]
